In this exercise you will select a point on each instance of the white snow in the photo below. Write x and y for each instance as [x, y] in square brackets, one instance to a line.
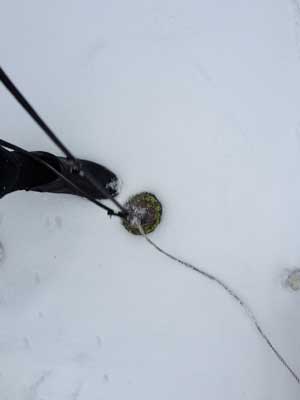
[197, 102]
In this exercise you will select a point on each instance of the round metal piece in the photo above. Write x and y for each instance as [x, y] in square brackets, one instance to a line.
[144, 209]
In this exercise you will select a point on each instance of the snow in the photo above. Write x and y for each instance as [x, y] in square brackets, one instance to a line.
[197, 102]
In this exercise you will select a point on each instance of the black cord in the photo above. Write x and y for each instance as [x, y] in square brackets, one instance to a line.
[232, 293]
[84, 171]
[30, 110]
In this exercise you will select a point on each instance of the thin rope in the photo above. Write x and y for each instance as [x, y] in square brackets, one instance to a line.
[10, 86]
[231, 292]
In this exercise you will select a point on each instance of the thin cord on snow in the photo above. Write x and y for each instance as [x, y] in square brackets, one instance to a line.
[231, 292]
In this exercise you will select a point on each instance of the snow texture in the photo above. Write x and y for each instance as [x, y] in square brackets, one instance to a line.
[197, 102]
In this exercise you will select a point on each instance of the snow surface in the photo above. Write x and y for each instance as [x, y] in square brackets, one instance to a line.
[197, 101]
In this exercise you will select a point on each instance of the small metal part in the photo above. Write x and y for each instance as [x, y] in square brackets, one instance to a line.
[143, 209]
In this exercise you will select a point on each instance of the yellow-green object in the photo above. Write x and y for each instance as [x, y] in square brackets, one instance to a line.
[293, 280]
[144, 209]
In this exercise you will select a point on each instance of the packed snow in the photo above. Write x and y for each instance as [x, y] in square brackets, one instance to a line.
[197, 102]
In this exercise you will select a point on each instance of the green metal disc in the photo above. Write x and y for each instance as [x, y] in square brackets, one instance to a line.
[144, 208]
